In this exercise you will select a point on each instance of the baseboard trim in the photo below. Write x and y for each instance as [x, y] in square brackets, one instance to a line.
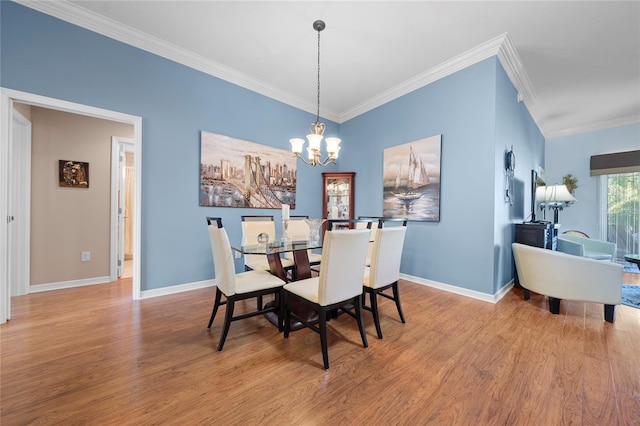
[37, 288]
[491, 298]
[166, 291]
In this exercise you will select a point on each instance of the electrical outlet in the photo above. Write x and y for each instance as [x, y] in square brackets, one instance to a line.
[86, 256]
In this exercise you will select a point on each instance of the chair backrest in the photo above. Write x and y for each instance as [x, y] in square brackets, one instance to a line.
[298, 228]
[333, 224]
[252, 226]
[222, 256]
[342, 266]
[386, 256]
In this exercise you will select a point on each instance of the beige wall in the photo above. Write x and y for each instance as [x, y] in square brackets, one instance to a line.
[24, 110]
[68, 221]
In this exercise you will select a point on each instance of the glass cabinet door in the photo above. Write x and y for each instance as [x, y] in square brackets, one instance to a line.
[338, 195]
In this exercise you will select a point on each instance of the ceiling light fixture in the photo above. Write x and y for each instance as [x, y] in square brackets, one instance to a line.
[316, 130]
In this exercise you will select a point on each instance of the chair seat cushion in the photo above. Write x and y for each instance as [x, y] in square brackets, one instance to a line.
[314, 258]
[249, 281]
[597, 255]
[262, 264]
[307, 289]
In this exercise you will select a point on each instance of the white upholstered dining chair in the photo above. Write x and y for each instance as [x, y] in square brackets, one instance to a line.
[238, 286]
[338, 284]
[384, 271]
[252, 226]
[299, 230]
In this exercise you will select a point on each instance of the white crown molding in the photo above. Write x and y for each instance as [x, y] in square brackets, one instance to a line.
[84, 18]
[500, 46]
[458, 63]
[624, 121]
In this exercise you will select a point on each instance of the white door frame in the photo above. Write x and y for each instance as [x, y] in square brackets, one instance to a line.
[119, 146]
[7, 97]
[20, 205]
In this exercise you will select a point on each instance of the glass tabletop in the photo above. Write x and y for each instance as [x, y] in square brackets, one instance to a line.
[277, 246]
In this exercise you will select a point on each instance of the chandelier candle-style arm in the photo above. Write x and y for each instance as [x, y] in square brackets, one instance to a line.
[316, 130]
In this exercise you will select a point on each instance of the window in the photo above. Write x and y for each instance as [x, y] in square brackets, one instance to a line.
[621, 213]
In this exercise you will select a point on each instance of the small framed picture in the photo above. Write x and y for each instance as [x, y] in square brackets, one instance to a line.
[73, 174]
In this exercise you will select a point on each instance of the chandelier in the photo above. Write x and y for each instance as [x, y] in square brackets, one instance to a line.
[316, 130]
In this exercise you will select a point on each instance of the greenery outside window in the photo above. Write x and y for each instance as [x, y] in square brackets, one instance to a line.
[621, 212]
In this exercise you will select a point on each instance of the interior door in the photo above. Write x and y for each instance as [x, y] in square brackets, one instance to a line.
[123, 206]
[19, 205]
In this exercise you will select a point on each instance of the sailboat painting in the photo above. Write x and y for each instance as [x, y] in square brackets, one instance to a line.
[411, 180]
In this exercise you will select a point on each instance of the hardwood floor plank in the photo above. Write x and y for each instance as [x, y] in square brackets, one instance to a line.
[92, 356]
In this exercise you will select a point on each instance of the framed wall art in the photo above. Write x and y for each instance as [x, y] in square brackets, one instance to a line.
[239, 173]
[411, 180]
[73, 174]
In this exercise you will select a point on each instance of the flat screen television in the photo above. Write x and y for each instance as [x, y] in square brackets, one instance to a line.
[534, 188]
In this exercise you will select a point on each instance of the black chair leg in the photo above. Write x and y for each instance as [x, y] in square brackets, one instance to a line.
[228, 315]
[374, 310]
[259, 300]
[396, 297]
[280, 301]
[216, 305]
[609, 313]
[554, 305]
[323, 338]
[287, 315]
[358, 303]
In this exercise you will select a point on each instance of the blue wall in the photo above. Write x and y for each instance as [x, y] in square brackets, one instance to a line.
[474, 110]
[572, 154]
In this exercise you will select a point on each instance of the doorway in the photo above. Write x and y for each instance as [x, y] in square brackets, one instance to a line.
[10, 258]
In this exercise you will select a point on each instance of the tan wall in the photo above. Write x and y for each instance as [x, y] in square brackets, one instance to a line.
[67, 221]
[24, 110]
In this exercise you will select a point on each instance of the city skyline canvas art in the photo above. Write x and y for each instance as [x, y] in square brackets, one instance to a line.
[239, 173]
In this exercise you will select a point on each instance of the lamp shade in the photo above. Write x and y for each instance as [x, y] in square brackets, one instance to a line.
[553, 194]
[559, 193]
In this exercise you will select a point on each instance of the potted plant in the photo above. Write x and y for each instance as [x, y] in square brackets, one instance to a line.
[571, 182]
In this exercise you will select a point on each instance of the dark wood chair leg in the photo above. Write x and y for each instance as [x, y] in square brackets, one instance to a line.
[216, 305]
[527, 294]
[609, 313]
[323, 338]
[554, 305]
[287, 315]
[259, 301]
[373, 301]
[228, 315]
[358, 303]
[280, 301]
[396, 297]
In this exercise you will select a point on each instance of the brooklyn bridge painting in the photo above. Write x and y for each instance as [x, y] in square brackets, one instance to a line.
[239, 173]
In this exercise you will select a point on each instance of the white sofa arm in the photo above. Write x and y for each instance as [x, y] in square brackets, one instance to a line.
[564, 276]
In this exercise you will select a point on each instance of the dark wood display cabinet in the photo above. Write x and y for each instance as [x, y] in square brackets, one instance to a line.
[338, 195]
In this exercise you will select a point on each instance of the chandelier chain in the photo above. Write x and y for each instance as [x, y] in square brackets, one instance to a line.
[318, 106]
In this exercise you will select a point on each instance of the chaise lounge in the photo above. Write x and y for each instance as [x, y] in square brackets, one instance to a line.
[565, 276]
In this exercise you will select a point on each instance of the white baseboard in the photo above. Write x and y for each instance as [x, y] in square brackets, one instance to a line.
[165, 291]
[68, 284]
[491, 298]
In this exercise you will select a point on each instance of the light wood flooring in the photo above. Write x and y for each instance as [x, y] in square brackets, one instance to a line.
[92, 356]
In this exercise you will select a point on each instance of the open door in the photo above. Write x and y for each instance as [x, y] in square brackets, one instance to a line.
[122, 188]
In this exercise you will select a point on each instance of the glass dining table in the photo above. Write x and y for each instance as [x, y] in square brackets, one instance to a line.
[273, 251]
[302, 268]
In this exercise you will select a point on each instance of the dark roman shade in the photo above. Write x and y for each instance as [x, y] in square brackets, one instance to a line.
[618, 162]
